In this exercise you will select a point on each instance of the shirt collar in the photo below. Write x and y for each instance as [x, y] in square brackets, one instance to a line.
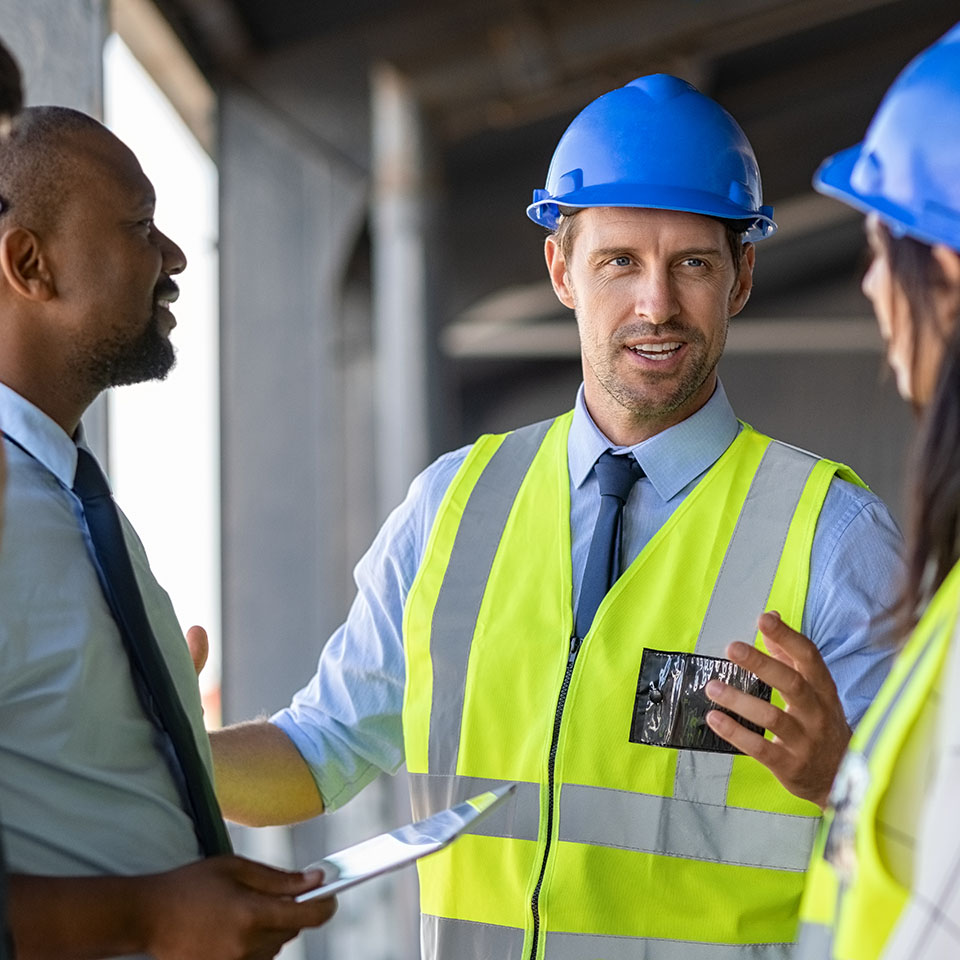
[44, 439]
[671, 459]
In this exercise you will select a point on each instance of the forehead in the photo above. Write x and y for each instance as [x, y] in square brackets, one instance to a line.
[641, 227]
[105, 171]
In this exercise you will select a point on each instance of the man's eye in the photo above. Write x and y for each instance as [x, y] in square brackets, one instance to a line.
[621, 261]
[695, 262]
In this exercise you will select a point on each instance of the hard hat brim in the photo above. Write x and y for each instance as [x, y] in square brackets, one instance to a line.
[834, 179]
[546, 212]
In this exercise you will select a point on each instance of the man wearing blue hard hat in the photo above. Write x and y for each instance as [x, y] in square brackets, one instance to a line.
[549, 606]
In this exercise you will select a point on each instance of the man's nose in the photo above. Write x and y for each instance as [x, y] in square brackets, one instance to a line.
[174, 259]
[655, 297]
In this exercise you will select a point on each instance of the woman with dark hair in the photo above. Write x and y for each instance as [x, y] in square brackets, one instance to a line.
[885, 876]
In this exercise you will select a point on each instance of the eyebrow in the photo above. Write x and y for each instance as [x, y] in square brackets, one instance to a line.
[688, 252]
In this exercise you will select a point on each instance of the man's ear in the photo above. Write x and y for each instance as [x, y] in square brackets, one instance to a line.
[557, 268]
[742, 286]
[24, 265]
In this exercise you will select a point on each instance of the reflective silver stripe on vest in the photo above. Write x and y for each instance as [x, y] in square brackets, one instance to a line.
[464, 583]
[445, 939]
[703, 777]
[741, 591]
[679, 828]
[579, 946]
[815, 942]
[881, 724]
[519, 817]
[816, 939]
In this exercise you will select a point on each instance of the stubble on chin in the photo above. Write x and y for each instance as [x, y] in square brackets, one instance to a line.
[646, 397]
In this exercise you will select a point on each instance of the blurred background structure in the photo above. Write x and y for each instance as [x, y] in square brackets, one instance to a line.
[382, 296]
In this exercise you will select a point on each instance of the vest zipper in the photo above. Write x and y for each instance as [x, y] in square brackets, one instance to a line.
[575, 643]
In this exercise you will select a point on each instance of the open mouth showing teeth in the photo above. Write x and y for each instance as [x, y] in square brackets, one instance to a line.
[656, 351]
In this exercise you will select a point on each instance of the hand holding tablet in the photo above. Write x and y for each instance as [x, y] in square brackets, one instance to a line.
[395, 849]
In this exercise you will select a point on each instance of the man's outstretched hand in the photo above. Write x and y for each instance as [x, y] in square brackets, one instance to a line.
[810, 733]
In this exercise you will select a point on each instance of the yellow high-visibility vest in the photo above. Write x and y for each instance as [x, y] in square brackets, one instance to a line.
[852, 900]
[610, 849]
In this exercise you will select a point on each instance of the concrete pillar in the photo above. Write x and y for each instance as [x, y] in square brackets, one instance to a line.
[403, 219]
[293, 436]
[289, 217]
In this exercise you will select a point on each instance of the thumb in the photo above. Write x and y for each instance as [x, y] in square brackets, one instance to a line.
[199, 647]
[270, 880]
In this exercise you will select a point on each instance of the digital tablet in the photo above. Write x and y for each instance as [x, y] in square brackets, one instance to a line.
[395, 849]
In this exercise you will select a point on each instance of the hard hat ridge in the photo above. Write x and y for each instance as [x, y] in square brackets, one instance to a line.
[659, 143]
[907, 168]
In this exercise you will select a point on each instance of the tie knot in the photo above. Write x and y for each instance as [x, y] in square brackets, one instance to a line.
[89, 481]
[617, 474]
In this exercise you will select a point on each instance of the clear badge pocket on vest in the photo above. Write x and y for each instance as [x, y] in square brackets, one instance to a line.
[672, 704]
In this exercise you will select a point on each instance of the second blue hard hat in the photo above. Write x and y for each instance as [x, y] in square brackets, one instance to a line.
[659, 143]
[907, 169]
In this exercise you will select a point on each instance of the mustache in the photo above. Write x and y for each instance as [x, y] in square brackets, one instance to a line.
[666, 330]
[166, 290]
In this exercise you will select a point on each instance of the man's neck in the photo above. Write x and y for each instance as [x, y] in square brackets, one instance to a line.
[53, 399]
[626, 428]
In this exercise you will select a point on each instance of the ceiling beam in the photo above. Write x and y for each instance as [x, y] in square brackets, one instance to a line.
[158, 49]
[586, 56]
[212, 30]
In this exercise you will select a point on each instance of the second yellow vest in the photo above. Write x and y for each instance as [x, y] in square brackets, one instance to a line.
[852, 900]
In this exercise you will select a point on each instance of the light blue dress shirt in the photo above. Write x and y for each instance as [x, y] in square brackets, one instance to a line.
[84, 787]
[346, 720]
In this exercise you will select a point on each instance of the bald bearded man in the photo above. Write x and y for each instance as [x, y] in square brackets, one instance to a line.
[102, 842]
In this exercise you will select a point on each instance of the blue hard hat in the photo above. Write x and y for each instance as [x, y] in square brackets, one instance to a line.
[907, 169]
[658, 143]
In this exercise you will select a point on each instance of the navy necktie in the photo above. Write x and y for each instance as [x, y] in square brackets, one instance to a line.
[123, 595]
[617, 473]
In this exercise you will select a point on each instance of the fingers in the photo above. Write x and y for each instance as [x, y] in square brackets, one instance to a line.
[761, 712]
[274, 889]
[290, 915]
[199, 647]
[810, 733]
[793, 687]
[746, 741]
[801, 650]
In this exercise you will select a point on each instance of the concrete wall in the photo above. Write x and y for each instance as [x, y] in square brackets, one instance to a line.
[60, 49]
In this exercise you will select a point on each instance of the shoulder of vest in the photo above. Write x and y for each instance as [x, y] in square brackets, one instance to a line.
[800, 456]
[527, 430]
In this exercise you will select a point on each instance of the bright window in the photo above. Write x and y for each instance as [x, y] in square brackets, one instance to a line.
[164, 437]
